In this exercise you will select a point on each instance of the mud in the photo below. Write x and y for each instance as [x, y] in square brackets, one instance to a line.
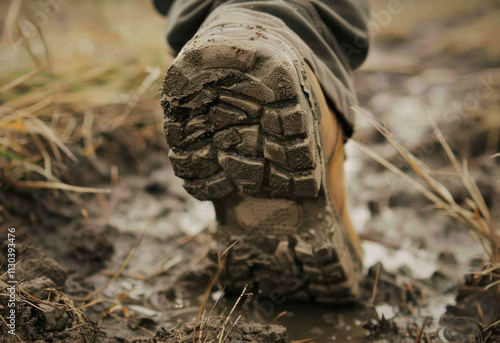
[46, 324]
[215, 328]
[70, 245]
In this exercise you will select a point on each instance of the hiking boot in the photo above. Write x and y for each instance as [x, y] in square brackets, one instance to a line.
[245, 120]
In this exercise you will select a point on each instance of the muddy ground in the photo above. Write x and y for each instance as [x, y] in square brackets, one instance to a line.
[440, 59]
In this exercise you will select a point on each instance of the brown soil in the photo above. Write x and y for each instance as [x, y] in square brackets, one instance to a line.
[214, 328]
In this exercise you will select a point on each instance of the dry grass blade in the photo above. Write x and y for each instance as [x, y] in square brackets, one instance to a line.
[421, 331]
[1, 276]
[493, 325]
[216, 302]
[485, 271]
[483, 243]
[492, 284]
[59, 185]
[40, 301]
[22, 79]
[35, 125]
[221, 334]
[443, 142]
[281, 314]
[30, 167]
[391, 167]
[26, 43]
[46, 158]
[375, 283]
[220, 267]
[44, 130]
[10, 19]
[476, 217]
[48, 60]
[475, 193]
[92, 303]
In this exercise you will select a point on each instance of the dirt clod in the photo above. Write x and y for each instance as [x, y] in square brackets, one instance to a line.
[38, 287]
[35, 264]
[381, 329]
[210, 330]
[54, 319]
[477, 309]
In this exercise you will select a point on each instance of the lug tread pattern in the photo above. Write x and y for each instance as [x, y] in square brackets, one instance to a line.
[254, 124]
[298, 271]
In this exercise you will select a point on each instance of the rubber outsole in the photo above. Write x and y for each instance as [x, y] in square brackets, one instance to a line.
[244, 133]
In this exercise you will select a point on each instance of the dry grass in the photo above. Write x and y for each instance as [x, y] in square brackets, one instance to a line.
[50, 124]
[220, 267]
[474, 213]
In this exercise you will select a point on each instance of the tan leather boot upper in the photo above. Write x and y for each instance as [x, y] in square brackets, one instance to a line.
[333, 141]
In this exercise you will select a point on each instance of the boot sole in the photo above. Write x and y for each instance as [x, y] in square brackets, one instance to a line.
[244, 130]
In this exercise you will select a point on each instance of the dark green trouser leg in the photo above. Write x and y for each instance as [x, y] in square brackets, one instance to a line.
[332, 34]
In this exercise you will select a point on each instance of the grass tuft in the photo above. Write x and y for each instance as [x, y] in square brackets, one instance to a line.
[47, 129]
[474, 213]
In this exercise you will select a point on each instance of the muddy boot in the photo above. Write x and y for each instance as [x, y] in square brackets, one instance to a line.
[249, 129]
